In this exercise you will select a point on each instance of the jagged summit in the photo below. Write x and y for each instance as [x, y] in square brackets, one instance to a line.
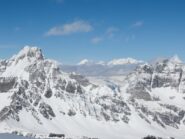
[169, 63]
[21, 65]
[29, 52]
[36, 96]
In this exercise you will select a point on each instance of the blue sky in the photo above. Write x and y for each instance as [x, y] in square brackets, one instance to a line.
[71, 30]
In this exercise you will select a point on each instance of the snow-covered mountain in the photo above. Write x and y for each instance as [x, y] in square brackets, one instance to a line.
[84, 62]
[38, 98]
[124, 61]
[101, 68]
[121, 61]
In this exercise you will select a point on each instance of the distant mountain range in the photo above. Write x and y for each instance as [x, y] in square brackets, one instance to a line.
[123, 61]
[38, 99]
[101, 68]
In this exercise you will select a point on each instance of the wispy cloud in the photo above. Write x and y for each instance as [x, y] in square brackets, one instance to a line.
[70, 28]
[138, 24]
[111, 31]
[107, 34]
[130, 37]
[96, 40]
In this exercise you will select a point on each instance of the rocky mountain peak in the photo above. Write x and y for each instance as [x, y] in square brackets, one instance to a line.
[34, 87]
[24, 62]
[29, 52]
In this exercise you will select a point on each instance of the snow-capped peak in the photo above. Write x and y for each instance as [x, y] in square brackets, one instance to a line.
[124, 61]
[150, 99]
[114, 62]
[175, 59]
[19, 62]
[91, 62]
[83, 62]
[31, 52]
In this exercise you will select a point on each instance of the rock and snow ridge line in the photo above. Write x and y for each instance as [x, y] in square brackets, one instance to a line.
[38, 97]
[117, 67]
[121, 61]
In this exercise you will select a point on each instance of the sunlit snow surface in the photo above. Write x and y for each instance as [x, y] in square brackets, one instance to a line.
[89, 125]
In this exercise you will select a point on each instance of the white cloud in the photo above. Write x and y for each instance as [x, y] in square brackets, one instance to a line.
[70, 28]
[111, 31]
[96, 40]
[138, 24]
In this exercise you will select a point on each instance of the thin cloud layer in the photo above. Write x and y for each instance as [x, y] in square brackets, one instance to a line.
[111, 31]
[70, 28]
[138, 24]
[96, 40]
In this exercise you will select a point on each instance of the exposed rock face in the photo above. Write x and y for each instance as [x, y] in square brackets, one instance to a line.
[48, 93]
[7, 83]
[81, 79]
[41, 80]
[37, 86]
[139, 92]
[71, 112]
[140, 82]
[46, 110]
[147, 78]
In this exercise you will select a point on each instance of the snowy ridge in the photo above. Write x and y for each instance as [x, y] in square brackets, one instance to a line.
[101, 68]
[84, 62]
[122, 61]
[38, 98]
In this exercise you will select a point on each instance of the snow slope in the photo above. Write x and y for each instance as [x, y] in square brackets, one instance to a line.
[37, 97]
